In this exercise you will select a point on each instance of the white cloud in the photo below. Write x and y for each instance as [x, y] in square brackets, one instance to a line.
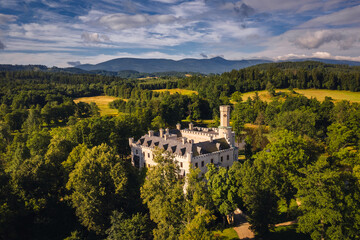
[94, 37]
[2, 46]
[348, 16]
[190, 9]
[311, 39]
[120, 21]
[5, 18]
[166, 1]
[323, 55]
[294, 6]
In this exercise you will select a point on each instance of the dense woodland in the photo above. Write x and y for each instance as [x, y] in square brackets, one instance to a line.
[65, 170]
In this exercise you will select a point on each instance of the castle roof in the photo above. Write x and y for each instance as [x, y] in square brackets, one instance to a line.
[175, 144]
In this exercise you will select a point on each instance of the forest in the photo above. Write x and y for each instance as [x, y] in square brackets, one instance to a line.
[65, 171]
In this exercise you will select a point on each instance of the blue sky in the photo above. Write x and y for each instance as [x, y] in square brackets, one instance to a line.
[63, 33]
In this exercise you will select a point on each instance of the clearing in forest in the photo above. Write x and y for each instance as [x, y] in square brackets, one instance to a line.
[177, 90]
[102, 102]
[319, 94]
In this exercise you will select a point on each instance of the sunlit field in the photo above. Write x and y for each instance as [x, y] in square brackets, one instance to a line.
[102, 102]
[319, 94]
[177, 90]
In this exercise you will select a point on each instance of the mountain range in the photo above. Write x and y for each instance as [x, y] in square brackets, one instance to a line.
[138, 68]
[205, 66]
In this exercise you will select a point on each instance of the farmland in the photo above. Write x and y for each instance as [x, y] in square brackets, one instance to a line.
[319, 94]
[177, 90]
[102, 102]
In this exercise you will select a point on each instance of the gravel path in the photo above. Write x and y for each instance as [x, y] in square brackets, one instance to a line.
[242, 227]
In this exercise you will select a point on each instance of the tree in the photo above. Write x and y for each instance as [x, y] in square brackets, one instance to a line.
[162, 192]
[218, 183]
[198, 210]
[284, 156]
[98, 187]
[137, 227]
[258, 196]
[329, 202]
[271, 89]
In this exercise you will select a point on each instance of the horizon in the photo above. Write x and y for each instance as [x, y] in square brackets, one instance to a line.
[66, 34]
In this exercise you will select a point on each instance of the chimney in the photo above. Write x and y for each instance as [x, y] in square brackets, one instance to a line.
[131, 140]
[151, 133]
[218, 146]
[178, 126]
[167, 131]
[161, 132]
[183, 140]
[191, 126]
[198, 149]
[166, 136]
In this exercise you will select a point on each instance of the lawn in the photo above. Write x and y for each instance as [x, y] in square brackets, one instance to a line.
[319, 94]
[286, 232]
[177, 90]
[102, 102]
[226, 234]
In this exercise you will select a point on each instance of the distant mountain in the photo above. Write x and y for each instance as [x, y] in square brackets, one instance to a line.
[205, 66]
[139, 68]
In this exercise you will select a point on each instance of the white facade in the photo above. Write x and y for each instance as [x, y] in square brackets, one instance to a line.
[194, 147]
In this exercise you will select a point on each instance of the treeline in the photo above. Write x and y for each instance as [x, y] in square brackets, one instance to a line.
[301, 75]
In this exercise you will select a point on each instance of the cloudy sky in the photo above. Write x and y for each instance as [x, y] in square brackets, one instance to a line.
[64, 33]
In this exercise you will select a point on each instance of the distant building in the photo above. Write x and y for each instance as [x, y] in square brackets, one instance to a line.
[192, 147]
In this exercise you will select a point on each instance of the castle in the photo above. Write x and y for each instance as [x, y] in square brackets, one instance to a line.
[192, 147]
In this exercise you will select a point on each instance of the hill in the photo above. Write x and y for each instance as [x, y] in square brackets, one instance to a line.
[206, 66]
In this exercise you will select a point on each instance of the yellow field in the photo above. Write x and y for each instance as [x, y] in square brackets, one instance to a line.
[319, 94]
[102, 102]
[177, 90]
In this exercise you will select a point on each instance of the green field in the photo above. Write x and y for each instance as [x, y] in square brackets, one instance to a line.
[319, 94]
[177, 90]
[226, 234]
[102, 102]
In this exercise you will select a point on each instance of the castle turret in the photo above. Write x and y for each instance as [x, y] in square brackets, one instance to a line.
[224, 128]
[225, 116]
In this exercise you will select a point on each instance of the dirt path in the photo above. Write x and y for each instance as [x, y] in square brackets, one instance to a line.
[243, 227]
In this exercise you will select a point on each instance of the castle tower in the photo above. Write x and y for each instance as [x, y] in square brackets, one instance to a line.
[225, 116]
[225, 128]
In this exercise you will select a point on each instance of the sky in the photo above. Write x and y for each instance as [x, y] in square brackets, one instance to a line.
[66, 33]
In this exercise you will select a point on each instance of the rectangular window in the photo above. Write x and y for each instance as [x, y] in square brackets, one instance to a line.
[144, 164]
[202, 163]
[148, 155]
[196, 165]
[227, 157]
[149, 165]
[221, 159]
[212, 160]
[227, 167]
[181, 164]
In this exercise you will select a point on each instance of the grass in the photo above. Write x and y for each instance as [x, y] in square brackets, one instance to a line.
[286, 232]
[319, 94]
[177, 90]
[226, 234]
[102, 102]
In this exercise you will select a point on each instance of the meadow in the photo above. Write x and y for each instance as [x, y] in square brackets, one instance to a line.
[102, 102]
[319, 94]
[177, 90]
